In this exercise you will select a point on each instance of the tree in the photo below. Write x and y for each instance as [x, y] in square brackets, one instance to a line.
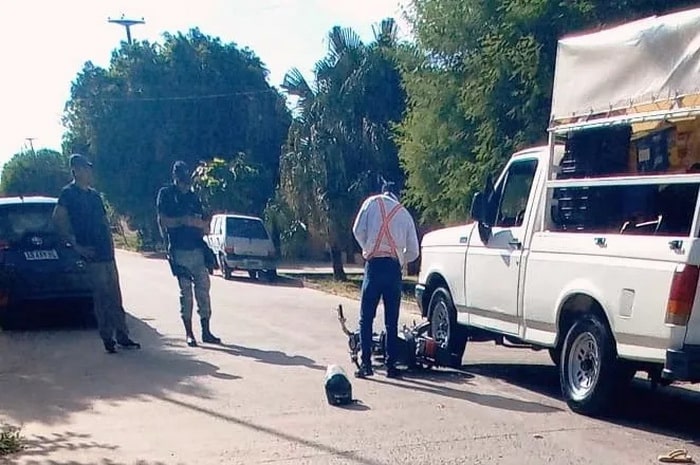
[479, 85]
[192, 98]
[43, 172]
[341, 142]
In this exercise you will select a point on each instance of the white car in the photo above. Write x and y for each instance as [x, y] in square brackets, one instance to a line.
[242, 242]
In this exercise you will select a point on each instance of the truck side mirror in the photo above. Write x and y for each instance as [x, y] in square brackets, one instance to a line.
[477, 210]
[479, 214]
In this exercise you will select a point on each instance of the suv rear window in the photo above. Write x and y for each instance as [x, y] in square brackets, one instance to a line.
[19, 219]
[245, 227]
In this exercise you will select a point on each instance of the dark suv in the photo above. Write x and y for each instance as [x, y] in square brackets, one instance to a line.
[38, 272]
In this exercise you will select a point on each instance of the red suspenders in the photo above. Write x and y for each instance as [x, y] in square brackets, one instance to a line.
[385, 231]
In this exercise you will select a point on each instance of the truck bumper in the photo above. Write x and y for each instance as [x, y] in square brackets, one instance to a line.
[419, 292]
[238, 262]
[683, 364]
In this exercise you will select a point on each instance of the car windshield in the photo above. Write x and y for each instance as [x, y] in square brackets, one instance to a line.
[19, 219]
[245, 227]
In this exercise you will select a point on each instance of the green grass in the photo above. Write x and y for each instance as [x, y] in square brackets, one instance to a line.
[11, 440]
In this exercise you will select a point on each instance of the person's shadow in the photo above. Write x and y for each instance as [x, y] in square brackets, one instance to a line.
[271, 357]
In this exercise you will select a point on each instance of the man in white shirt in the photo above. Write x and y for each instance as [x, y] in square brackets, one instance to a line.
[387, 234]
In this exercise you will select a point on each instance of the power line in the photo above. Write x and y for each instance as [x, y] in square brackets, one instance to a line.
[181, 97]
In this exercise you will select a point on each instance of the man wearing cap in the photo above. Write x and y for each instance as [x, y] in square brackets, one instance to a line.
[387, 234]
[181, 219]
[81, 219]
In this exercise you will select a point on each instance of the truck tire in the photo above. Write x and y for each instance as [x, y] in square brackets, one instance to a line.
[587, 370]
[555, 355]
[444, 327]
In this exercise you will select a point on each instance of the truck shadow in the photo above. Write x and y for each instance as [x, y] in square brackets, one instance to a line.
[671, 411]
[280, 281]
[47, 375]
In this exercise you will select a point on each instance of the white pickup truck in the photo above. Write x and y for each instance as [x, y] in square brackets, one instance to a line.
[589, 246]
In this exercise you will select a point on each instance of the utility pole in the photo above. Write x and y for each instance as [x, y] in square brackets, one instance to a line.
[31, 143]
[126, 23]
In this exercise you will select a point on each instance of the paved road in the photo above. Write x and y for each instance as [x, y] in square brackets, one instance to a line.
[259, 398]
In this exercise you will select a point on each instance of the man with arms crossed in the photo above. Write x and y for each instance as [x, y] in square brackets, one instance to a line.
[387, 234]
[81, 220]
[180, 215]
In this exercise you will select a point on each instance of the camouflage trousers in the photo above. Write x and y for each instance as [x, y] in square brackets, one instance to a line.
[194, 277]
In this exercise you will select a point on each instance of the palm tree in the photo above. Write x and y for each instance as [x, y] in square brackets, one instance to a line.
[341, 138]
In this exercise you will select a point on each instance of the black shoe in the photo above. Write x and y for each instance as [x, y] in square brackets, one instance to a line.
[393, 372]
[191, 341]
[207, 336]
[128, 344]
[364, 372]
[110, 347]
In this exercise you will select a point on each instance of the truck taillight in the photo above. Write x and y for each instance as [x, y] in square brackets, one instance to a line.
[682, 296]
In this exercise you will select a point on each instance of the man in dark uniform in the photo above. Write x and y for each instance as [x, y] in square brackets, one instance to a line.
[81, 219]
[181, 217]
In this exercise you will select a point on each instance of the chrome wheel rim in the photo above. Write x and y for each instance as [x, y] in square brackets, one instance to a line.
[441, 323]
[583, 365]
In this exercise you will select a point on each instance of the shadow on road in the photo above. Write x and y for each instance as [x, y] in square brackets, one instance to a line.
[424, 384]
[280, 281]
[670, 411]
[271, 357]
[357, 405]
[348, 455]
[47, 375]
[40, 446]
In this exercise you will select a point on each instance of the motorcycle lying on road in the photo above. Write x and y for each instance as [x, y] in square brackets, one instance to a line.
[417, 350]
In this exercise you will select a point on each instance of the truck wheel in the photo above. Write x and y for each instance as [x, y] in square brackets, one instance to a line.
[444, 328]
[587, 371]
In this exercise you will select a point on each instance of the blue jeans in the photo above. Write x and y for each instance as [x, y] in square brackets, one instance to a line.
[382, 279]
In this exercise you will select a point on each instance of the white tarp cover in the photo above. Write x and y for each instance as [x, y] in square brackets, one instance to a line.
[635, 63]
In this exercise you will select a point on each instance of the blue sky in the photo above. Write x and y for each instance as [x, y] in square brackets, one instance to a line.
[46, 42]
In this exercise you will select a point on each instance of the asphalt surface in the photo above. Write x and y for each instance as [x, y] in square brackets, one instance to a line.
[259, 397]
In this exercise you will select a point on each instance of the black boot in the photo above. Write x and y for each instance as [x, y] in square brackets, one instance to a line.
[191, 341]
[207, 336]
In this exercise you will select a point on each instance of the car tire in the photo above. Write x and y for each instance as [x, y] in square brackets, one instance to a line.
[271, 275]
[225, 270]
[588, 368]
[444, 328]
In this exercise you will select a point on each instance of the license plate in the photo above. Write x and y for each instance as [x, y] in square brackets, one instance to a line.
[253, 263]
[41, 255]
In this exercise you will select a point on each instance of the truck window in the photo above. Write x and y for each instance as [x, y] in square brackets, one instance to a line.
[654, 209]
[245, 227]
[515, 194]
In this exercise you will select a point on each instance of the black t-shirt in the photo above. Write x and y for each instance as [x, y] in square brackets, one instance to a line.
[88, 218]
[174, 203]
